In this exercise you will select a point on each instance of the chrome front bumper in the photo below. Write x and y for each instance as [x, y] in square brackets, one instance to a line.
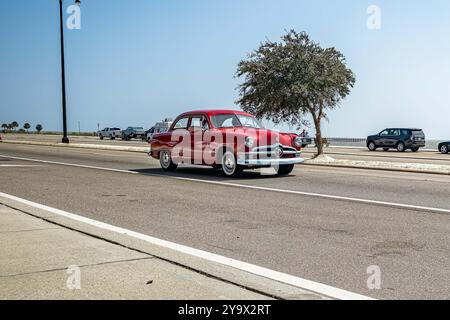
[267, 156]
[269, 162]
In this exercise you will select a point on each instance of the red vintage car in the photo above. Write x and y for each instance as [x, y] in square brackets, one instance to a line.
[227, 139]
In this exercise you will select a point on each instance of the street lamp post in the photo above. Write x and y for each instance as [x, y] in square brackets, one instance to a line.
[65, 139]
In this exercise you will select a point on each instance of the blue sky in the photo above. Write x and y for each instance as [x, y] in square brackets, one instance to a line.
[136, 62]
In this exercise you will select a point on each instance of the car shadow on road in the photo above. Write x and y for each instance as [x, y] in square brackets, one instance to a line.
[208, 174]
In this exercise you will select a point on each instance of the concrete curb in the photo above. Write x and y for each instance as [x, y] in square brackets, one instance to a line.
[380, 155]
[376, 168]
[252, 282]
[311, 149]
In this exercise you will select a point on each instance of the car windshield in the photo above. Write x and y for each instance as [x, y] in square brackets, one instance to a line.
[231, 120]
[137, 128]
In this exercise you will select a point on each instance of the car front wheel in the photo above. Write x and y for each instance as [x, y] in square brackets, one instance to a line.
[415, 149]
[444, 149]
[284, 170]
[101, 137]
[401, 147]
[372, 146]
[229, 165]
[165, 160]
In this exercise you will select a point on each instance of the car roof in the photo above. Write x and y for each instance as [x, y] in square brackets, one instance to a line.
[215, 112]
[412, 129]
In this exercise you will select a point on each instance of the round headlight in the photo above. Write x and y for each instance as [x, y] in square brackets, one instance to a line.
[298, 142]
[249, 142]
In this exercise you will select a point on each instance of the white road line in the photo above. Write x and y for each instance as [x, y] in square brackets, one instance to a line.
[16, 165]
[316, 287]
[69, 164]
[238, 185]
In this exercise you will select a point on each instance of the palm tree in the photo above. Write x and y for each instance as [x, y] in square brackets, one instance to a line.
[14, 125]
[4, 127]
[26, 126]
[39, 128]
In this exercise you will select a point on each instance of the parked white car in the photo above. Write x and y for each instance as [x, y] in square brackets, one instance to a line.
[110, 133]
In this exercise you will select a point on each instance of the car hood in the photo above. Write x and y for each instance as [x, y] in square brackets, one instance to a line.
[263, 135]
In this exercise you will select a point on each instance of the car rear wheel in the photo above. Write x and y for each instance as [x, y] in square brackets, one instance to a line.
[229, 165]
[101, 137]
[372, 146]
[284, 170]
[401, 147]
[165, 160]
[444, 149]
[415, 149]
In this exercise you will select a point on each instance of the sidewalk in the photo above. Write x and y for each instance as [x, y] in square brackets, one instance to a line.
[35, 257]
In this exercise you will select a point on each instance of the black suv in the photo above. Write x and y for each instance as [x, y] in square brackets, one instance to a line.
[401, 139]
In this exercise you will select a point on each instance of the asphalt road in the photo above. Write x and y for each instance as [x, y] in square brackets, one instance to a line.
[321, 239]
[430, 157]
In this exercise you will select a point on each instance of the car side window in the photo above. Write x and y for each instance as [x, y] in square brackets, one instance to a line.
[196, 122]
[395, 132]
[205, 124]
[181, 124]
[384, 133]
[405, 132]
[199, 122]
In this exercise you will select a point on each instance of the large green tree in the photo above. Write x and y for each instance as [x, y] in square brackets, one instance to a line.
[26, 126]
[39, 128]
[288, 80]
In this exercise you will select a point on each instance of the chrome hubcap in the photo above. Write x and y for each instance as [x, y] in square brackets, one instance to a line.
[165, 158]
[228, 163]
[444, 149]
